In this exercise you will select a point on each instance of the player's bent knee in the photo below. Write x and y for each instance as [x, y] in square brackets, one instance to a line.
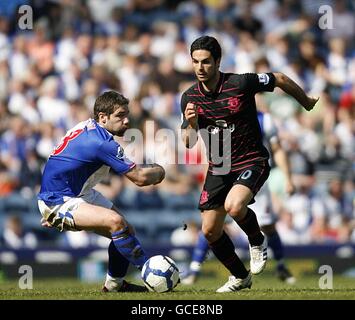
[211, 234]
[116, 223]
[235, 209]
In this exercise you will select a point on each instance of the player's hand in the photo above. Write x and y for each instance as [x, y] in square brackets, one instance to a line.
[191, 114]
[45, 223]
[311, 101]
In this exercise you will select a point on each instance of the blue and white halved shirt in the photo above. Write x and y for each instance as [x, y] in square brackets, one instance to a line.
[83, 159]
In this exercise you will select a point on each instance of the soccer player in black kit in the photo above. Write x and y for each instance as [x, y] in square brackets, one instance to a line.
[222, 106]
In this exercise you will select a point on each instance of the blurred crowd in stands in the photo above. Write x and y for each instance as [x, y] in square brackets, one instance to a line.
[50, 77]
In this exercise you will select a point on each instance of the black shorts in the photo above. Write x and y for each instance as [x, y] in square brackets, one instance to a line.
[217, 187]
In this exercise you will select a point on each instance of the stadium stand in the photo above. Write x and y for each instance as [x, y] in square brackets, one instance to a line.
[50, 76]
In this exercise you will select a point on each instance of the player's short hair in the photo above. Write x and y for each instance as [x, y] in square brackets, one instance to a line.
[207, 43]
[108, 102]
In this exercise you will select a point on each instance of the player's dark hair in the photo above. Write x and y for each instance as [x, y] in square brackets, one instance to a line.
[108, 103]
[207, 43]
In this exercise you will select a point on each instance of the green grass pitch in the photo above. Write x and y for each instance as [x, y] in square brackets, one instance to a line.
[265, 286]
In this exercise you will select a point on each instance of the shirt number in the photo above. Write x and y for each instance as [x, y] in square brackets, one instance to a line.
[64, 143]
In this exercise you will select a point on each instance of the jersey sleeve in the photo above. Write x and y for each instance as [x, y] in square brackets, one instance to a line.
[112, 154]
[183, 104]
[259, 82]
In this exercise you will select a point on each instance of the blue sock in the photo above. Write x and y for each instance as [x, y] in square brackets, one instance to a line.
[200, 250]
[117, 263]
[128, 245]
[276, 245]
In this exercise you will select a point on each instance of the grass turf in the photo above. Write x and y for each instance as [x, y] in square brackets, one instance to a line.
[265, 286]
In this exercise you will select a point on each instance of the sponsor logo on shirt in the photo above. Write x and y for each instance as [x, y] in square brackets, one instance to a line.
[220, 125]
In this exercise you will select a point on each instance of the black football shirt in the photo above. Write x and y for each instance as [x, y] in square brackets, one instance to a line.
[227, 118]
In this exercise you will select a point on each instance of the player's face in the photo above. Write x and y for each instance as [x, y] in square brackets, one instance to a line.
[205, 67]
[117, 122]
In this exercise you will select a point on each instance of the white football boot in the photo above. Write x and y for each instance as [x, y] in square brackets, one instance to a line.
[258, 257]
[236, 284]
[113, 284]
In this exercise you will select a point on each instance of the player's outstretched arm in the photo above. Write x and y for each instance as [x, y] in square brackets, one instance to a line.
[145, 175]
[293, 89]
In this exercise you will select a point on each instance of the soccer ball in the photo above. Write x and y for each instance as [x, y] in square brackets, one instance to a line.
[160, 274]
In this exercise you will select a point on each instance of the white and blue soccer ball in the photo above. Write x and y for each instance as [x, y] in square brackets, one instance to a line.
[160, 274]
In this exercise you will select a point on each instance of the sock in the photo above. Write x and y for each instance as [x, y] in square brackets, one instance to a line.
[224, 250]
[249, 224]
[117, 264]
[275, 244]
[128, 245]
[112, 283]
[199, 254]
[195, 268]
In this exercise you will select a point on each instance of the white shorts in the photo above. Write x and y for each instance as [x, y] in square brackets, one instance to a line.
[61, 215]
[263, 207]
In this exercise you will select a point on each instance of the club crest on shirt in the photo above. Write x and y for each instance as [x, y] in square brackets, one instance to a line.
[233, 104]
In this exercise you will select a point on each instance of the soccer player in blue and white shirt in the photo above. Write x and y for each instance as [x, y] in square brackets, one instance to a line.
[67, 199]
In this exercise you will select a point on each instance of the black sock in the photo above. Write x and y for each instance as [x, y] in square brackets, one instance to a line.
[251, 227]
[224, 251]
